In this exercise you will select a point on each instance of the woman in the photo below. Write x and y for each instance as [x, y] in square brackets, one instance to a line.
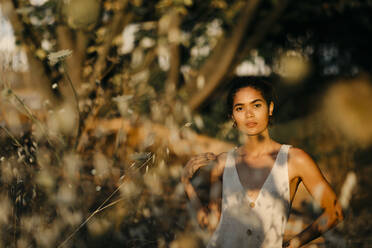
[259, 179]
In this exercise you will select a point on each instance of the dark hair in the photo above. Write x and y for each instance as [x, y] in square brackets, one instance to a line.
[258, 83]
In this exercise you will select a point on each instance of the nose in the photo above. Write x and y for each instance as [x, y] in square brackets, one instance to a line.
[249, 112]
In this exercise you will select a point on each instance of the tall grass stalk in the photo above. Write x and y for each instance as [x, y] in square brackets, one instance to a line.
[99, 209]
[65, 71]
[103, 206]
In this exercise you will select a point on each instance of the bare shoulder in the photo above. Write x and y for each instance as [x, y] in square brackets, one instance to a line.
[301, 162]
[298, 155]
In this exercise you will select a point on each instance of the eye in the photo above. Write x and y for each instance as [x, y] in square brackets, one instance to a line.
[238, 108]
[257, 105]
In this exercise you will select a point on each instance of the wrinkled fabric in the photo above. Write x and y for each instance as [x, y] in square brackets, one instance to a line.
[256, 224]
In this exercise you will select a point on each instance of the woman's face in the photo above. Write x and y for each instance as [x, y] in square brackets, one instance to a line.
[250, 111]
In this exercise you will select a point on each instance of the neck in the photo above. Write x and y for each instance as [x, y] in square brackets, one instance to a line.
[256, 145]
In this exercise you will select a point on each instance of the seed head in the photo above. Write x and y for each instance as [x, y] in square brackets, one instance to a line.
[56, 57]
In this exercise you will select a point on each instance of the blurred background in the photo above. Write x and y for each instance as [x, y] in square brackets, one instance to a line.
[104, 101]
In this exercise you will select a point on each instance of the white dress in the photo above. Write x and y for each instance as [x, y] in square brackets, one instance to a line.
[258, 224]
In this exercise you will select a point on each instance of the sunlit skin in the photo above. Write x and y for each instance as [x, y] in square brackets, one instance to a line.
[254, 160]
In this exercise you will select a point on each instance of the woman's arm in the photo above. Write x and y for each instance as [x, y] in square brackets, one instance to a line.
[321, 192]
[194, 164]
[216, 192]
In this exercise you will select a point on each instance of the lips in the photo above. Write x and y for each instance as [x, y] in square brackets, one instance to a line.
[251, 124]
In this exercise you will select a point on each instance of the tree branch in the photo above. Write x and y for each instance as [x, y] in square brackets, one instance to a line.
[173, 39]
[120, 20]
[261, 31]
[180, 142]
[219, 62]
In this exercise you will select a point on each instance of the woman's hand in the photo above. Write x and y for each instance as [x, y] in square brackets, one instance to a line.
[196, 162]
[214, 216]
[202, 217]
